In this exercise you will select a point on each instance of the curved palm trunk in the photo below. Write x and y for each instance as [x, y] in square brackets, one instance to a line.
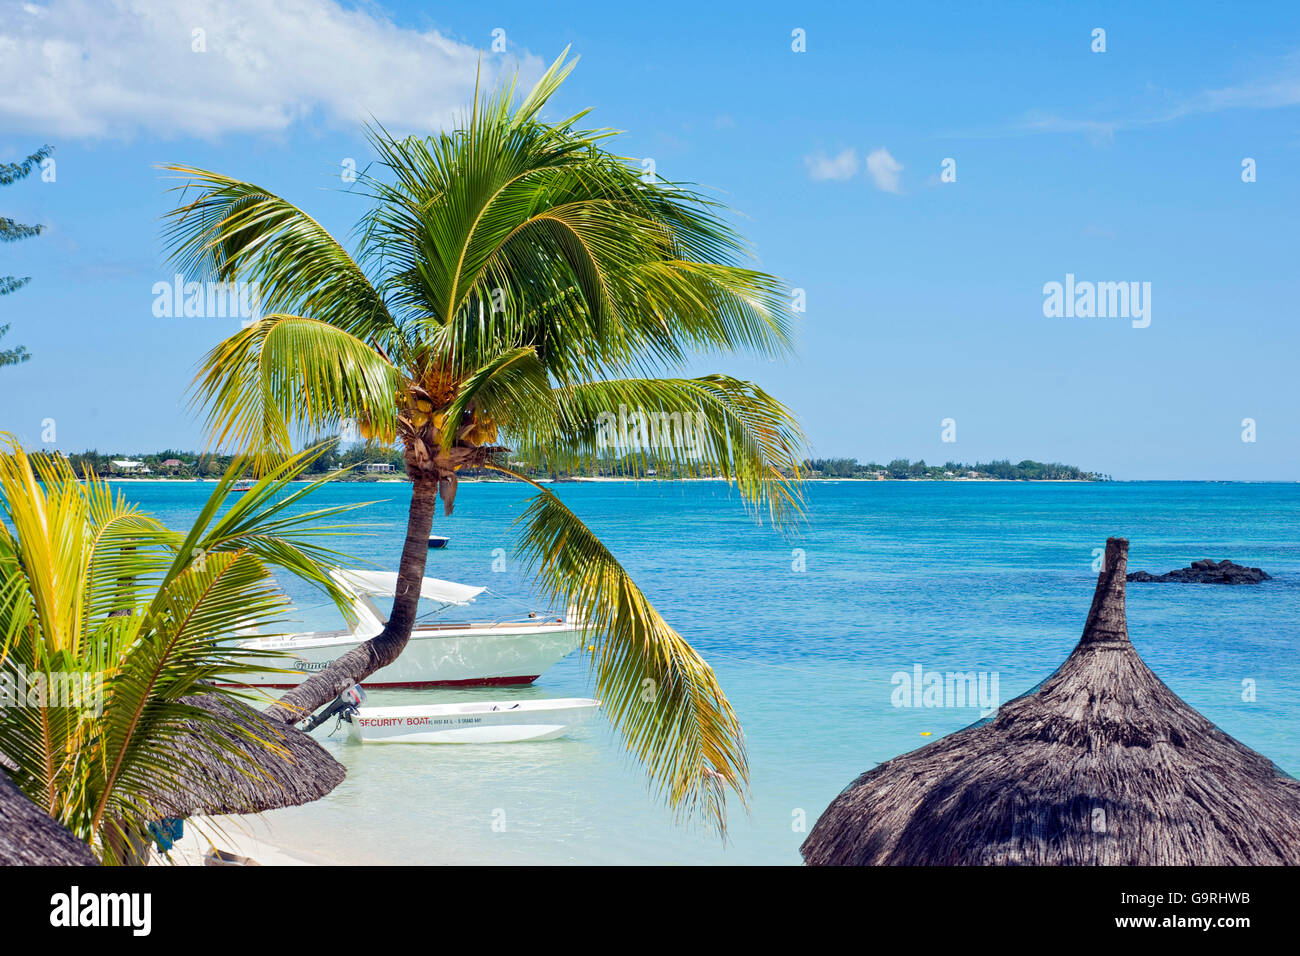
[382, 649]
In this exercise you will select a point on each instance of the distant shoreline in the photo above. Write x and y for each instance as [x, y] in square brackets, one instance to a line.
[117, 479]
[386, 464]
[130, 480]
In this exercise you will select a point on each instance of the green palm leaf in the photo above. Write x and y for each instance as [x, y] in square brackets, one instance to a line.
[712, 426]
[287, 373]
[236, 231]
[92, 588]
[653, 686]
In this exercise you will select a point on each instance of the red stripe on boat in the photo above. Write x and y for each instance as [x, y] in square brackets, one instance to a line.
[411, 685]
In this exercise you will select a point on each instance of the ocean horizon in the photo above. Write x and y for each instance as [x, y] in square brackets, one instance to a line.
[809, 632]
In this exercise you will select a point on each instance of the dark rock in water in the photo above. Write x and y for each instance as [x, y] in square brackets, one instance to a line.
[1205, 572]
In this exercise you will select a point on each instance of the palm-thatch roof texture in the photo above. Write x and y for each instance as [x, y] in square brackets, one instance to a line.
[1100, 764]
[31, 837]
[269, 765]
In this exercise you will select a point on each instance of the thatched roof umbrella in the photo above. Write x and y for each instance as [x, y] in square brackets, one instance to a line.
[1100, 764]
[280, 767]
[31, 837]
[254, 777]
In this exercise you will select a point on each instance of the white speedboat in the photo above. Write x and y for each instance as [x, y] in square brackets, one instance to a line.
[438, 540]
[438, 655]
[500, 722]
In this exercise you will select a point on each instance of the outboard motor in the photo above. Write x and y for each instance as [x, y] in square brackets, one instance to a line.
[345, 705]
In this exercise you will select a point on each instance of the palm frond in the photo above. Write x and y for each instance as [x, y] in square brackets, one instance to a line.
[287, 374]
[237, 231]
[655, 688]
[183, 652]
[711, 426]
[511, 382]
[269, 523]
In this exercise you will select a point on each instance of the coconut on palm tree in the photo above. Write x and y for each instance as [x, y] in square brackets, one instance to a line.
[515, 285]
[113, 628]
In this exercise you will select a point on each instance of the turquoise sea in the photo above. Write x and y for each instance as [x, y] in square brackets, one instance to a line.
[805, 631]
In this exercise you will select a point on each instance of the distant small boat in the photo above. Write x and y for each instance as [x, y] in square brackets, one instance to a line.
[438, 541]
[486, 722]
[242, 485]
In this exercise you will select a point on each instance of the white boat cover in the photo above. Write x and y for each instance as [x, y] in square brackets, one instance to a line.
[384, 584]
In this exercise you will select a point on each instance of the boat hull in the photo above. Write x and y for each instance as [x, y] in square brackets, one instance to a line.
[521, 681]
[475, 723]
[498, 655]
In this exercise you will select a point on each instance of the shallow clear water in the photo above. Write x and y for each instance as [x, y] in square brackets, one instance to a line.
[993, 577]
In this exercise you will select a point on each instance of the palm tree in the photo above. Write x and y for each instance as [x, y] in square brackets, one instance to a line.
[124, 619]
[516, 286]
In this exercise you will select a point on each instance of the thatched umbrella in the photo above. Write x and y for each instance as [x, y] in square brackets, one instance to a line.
[31, 837]
[281, 767]
[1100, 764]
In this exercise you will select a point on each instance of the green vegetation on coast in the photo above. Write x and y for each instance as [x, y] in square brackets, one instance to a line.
[901, 469]
[356, 457]
[189, 465]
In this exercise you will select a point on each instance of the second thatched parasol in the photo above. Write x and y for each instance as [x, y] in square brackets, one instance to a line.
[31, 837]
[1100, 764]
[269, 765]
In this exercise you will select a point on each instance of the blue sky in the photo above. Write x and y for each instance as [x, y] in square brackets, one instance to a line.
[924, 298]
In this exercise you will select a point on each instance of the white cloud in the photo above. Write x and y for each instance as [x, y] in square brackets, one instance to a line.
[80, 69]
[1099, 132]
[884, 170]
[844, 165]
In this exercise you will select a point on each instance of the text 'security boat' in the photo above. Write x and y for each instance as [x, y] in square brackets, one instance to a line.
[438, 655]
[484, 722]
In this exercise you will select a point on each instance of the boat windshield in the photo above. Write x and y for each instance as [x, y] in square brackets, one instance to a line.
[367, 585]
[384, 584]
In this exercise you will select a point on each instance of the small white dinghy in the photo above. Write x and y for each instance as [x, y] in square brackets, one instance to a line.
[486, 722]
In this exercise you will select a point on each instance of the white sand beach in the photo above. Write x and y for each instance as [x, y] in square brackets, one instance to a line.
[241, 840]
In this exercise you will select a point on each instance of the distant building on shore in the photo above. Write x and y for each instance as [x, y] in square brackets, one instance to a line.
[125, 466]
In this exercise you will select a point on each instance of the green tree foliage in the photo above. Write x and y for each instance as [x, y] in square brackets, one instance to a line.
[11, 356]
[11, 231]
[902, 468]
[96, 591]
